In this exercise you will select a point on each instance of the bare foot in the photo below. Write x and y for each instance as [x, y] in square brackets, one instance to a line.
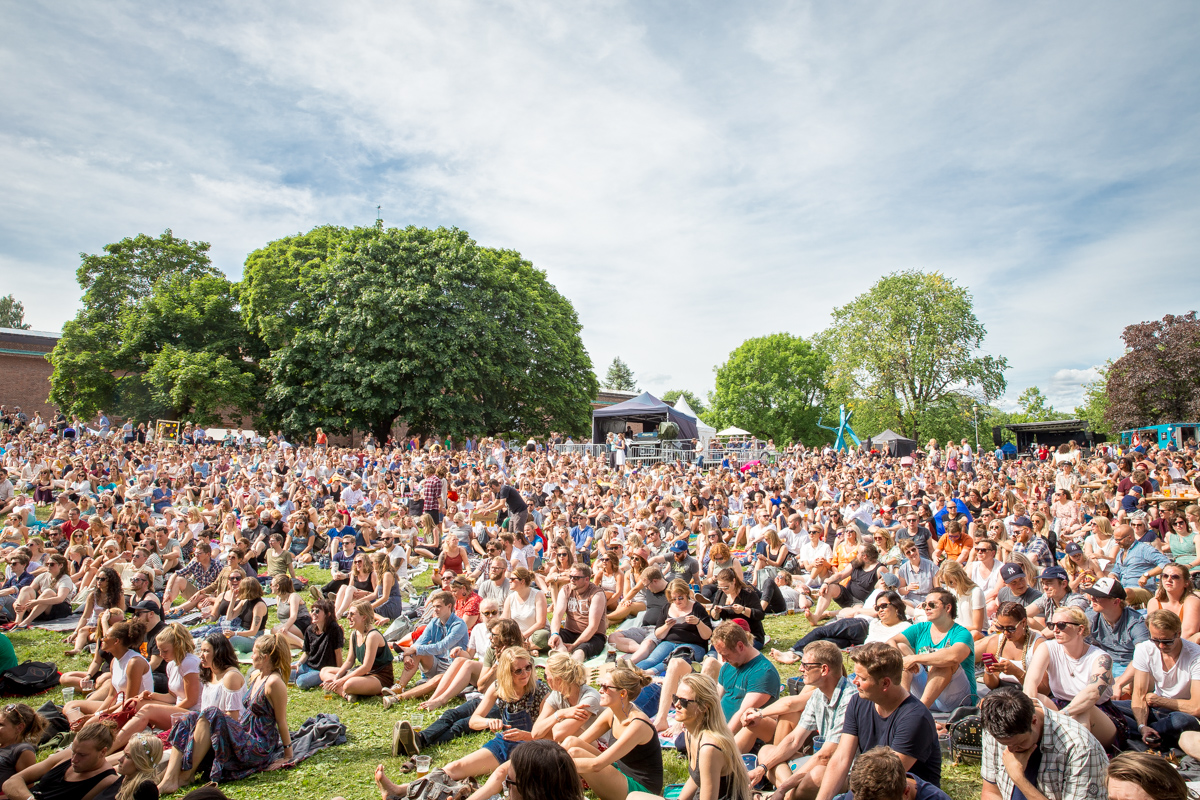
[789, 657]
[660, 724]
[387, 787]
[429, 705]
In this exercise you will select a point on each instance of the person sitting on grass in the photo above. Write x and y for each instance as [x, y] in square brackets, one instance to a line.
[572, 706]
[294, 616]
[20, 734]
[1005, 655]
[1080, 677]
[632, 762]
[367, 668]
[652, 599]
[79, 771]
[175, 646]
[861, 573]
[1031, 750]
[323, 642]
[476, 666]
[430, 653]
[1166, 682]
[820, 711]
[520, 697]
[882, 713]
[107, 595]
[879, 774]
[579, 616]
[130, 672]
[939, 655]
[889, 617]
[197, 583]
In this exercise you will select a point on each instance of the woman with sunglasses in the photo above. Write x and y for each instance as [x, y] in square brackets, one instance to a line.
[1099, 545]
[360, 587]
[888, 617]
[610, 579]
[572, 705]
[686, 625]
[1175, 594]
[1004, 655]
[733, 599]
[20, 734]
[714, 764]
[366, 669]
[632, 762]
[520, 697]
[107, 595]
[246, 613]
[1181, 543]
[1080, 677]
[559, 573]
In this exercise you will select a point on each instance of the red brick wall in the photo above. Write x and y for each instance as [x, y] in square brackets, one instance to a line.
[25, 381]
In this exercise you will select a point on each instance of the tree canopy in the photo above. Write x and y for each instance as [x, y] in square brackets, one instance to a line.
[12, 313]
[620, 377]
[159, 334]
[692, 400]
[773, 386]
[908, 347]
[1158, 378]
[421, 326]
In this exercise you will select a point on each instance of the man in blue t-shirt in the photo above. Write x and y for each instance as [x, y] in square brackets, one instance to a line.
[879, 775]
[939, 655]
[884, 713]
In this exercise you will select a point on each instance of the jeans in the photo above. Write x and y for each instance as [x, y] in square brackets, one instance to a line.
[844, 633]
[243, 644]
[307, 677]
[1169, 724]
[453, 724]
[662, 651]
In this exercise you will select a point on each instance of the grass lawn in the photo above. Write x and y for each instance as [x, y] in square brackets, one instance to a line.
[348, 770]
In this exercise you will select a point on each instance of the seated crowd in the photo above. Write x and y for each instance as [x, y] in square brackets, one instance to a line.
[955, 582]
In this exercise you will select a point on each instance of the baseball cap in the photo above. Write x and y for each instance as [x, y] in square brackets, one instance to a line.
[742, 624]
[146, 605]
[1072, 548]
[1054, 574]
[1011, 572]
[1022, 522]
[891, 580]
[1135, 489]
[679, 546]
[1109, 588]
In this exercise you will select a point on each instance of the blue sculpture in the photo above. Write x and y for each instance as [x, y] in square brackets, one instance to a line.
[843, 429]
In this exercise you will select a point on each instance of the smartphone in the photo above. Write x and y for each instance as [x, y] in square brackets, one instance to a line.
[988, 659]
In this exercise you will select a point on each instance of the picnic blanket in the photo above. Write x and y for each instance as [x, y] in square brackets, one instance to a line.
[314, 734]
[61, 625]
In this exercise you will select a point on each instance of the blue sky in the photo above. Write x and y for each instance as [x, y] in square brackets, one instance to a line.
[689, 175]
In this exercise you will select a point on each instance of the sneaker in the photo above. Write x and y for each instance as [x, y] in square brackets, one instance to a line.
[404, 737]
[315, 591]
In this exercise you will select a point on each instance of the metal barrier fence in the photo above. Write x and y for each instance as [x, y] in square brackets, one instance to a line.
[669, 451]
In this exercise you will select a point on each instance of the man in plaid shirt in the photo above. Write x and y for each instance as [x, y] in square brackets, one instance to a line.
[1035, 547]
[431, 494]
[1038, 751]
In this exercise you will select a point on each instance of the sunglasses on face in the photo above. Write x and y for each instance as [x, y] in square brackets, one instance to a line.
[1062, 626]
[1165, 642]
[879, 609]
[679, 702]
[1008, 628]
[490, 613]
[607, 687]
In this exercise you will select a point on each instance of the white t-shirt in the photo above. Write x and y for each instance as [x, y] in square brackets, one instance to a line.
[878, 632]
[42, 583]
[177, 672]
[1069, 676]
[479, 640]
[809, 553]
[1176, 684]
[975, 571]
[968, 604]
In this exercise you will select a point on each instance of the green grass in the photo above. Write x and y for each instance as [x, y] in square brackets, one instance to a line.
[348, 770]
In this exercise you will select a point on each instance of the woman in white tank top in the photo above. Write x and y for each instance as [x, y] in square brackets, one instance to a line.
[1080, 677]
[130, 672]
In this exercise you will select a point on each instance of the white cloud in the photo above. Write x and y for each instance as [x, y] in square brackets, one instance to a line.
[687, 180]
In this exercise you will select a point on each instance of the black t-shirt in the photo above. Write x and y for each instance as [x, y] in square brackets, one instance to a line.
[682, 633]
[150, 645]
[656, 606]
[322, 648]
[862, 582]
[909, 730]
[516, 503]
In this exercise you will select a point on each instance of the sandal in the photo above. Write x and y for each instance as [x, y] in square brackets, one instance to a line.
[408, 766]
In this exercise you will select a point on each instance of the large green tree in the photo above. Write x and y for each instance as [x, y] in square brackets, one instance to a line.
[12, 313]
[420, 326]
[159, 334]
[694, 401]
[772, 386]
[909, 346]
[1095, 403]
[620, 377]
[1158, 378]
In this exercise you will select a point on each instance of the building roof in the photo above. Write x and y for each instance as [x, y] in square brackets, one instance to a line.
[31, 334]
[1050, 426]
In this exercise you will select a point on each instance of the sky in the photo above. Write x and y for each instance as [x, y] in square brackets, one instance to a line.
[688, 175]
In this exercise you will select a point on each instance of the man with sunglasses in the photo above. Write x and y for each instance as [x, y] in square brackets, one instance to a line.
[578, 626]
[939, 655]
[1166, 682]
[1136, 565]
[823, 714]
[1056, 594]
[916, 531]
[1116, 628]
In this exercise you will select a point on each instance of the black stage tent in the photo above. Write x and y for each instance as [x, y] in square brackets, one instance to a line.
[894, 443]
[646, 409]
[1053, 433]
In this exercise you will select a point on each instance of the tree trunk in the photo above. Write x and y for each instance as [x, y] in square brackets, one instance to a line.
[382, 429]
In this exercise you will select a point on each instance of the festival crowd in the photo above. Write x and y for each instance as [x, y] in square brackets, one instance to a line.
[1049, 599]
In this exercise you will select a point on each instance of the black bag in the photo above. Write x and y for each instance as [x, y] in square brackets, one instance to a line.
[56, 722]
[966, 739]
[32, 677]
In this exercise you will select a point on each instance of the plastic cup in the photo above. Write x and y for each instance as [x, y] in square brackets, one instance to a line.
[751, 761]
[68, 694]
[87, 684]
[178, 718]
[424, 765]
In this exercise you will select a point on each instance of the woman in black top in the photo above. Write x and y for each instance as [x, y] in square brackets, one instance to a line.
[687, 625]
[712, 755]
[323, 642]
[20, 731]
[71, 773]
[731, 598]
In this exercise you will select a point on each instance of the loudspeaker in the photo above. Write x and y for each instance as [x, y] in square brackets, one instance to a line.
[996, 439]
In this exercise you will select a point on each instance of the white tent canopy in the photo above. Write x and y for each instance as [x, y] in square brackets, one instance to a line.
[704, 431]
[734, 431]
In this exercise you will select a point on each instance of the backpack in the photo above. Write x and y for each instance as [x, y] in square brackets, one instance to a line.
[437, 786]
[966, 739]
[31, 677]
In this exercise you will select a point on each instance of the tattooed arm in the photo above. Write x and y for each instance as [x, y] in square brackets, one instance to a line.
[1099, 687]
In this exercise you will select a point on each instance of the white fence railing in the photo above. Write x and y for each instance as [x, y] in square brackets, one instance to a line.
[669, 451]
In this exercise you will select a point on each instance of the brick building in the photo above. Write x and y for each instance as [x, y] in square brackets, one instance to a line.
[24, 370]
